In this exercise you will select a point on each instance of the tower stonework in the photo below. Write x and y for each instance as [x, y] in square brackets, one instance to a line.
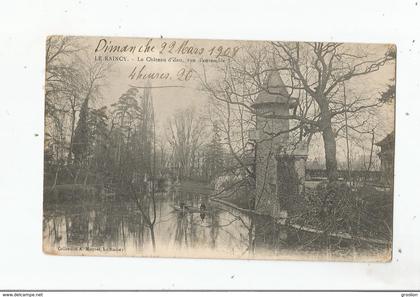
[271, 104]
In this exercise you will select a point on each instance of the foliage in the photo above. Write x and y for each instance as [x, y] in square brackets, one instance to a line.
[81, 134]
[339, 208]
[389, 94]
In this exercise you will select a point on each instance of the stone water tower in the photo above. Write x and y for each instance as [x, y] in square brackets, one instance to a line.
[272, 139]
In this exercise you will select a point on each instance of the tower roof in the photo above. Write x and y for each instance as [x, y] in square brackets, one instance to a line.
[388, 140]
[274, 90]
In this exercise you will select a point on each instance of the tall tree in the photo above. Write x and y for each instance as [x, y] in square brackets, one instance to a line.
[133, 134]
[62, 93]
[185, 136]
[321, 70]
[315, 74]
[81, 134]
[214, 155]
[99, 143]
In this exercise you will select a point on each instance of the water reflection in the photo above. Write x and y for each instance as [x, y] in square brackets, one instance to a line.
[188, 230]
[109, 224]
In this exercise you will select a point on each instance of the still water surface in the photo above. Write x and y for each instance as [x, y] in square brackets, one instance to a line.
[77, 227]
[109, 226]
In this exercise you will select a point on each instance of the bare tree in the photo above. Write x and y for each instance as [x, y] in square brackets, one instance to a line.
[71, 83]
[185, 136]
[315, 74]
[62, 85]
[91, 76]
[320, 70]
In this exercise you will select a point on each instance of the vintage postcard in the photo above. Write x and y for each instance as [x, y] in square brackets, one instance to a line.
[218, 149]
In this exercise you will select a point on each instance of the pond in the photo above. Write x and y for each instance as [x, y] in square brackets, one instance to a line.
[110, 227]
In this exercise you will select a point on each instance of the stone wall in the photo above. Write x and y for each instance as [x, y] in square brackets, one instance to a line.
[267, 148]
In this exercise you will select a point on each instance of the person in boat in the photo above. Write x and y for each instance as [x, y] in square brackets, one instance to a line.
[202, 207]
[202, 210]
[183, 206]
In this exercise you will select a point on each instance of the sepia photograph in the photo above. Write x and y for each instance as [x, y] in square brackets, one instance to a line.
[221, 149]
[210, 147]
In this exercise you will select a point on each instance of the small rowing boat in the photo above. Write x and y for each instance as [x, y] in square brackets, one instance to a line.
[190, 209]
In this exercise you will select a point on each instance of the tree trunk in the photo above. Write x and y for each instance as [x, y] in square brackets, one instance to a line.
[152, 235]
[330, 148]
[347, 138]
[328, 136]
[73, 124]
[56, 177]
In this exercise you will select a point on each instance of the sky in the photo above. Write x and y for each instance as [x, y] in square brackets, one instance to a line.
[163, 57]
